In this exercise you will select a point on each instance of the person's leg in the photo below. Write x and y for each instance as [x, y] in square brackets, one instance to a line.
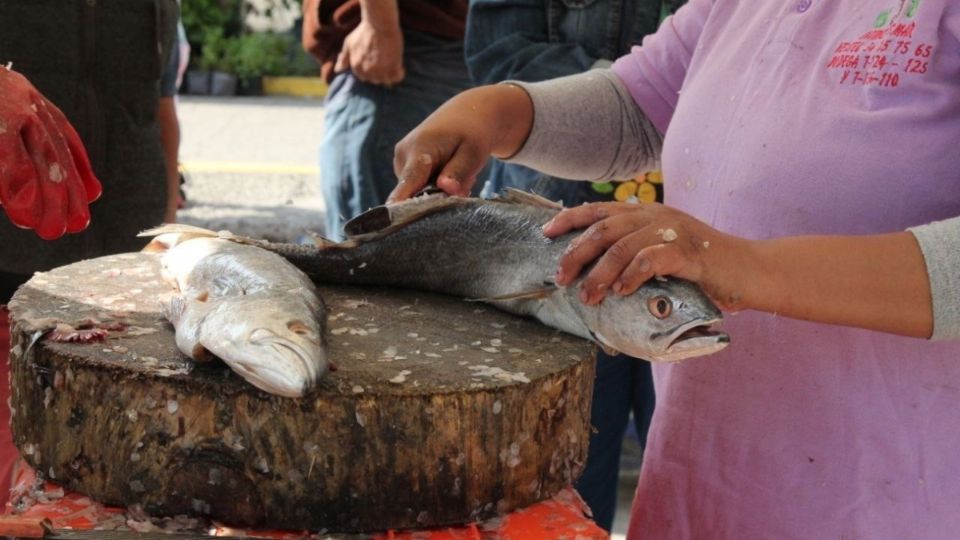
[348, 124]
[613, 392]
[644, 401]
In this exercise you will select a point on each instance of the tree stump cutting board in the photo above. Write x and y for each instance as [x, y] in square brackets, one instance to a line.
[442, 411]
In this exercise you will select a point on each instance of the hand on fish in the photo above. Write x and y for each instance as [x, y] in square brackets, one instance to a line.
[632, 243]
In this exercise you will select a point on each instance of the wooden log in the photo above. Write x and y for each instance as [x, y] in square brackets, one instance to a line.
[441, 411]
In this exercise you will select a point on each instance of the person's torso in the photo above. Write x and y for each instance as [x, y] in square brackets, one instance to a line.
[812, 117]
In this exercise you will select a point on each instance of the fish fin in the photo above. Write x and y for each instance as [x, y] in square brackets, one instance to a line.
[382, 220]
[516, 196]
[322, 242]
[610, 351]
[169, 235]
[525, 295]
[179, 228]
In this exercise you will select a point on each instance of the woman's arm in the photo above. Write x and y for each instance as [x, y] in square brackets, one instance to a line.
[877, 282]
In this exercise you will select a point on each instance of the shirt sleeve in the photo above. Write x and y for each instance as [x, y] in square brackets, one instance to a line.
[586, 127]
[654, 71]
[940, 244]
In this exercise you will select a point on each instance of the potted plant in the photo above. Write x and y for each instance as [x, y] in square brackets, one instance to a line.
[258, 54]
[219, 58]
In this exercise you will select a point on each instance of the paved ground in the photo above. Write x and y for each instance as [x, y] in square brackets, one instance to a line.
[252, 169]
[251, 165]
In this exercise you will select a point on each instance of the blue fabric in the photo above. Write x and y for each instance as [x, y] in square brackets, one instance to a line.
[168, 79]
[623, 385]
[534, 40]
[364, 121]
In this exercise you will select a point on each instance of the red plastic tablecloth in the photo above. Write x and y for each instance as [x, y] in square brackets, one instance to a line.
[563, 516]
[8, 452]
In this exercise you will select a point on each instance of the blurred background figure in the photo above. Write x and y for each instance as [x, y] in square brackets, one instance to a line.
[169, 123]
[389, 64]
[535, 40]
[100, 63]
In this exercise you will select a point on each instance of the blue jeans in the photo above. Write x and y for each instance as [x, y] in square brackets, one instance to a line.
[364, 121]
[623, 385]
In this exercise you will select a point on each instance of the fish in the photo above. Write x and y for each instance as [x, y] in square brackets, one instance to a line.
[245, 305]
[494, 251]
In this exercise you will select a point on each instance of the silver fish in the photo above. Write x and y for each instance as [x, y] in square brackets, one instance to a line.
[245, 305]
[494, 250]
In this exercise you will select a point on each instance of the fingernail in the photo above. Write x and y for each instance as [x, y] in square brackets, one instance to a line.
[618, 287]
[644, 265]
[584, 297]
[559, 275]
[547, 226]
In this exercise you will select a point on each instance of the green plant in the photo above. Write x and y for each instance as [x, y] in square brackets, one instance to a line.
[206, 21]
[261, 54]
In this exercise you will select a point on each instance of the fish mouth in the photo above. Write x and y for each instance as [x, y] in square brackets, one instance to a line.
[283, 367]
[694, 338]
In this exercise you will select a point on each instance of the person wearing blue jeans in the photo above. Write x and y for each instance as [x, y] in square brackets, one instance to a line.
[534, 40]
[389, 65]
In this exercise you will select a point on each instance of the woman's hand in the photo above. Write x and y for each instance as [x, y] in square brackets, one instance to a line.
[453, 144]
[632, 243]
[46, 182]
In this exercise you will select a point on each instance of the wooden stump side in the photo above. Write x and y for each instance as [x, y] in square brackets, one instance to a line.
[131, 421]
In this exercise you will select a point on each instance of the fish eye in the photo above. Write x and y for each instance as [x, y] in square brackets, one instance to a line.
[298, 327]
[660, 306]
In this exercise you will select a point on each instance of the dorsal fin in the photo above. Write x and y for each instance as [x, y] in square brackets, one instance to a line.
[516, 196]
[168, 235]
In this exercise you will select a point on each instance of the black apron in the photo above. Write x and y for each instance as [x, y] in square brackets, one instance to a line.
[100, 62]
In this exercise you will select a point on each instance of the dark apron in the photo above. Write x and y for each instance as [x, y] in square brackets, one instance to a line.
[100, 61]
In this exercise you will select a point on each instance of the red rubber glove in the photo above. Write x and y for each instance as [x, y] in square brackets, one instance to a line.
[46, 182]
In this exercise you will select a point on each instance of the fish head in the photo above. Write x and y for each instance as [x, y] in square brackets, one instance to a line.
[665, 320]
[274, 343]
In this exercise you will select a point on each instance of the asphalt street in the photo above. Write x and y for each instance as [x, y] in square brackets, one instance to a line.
[251, 165]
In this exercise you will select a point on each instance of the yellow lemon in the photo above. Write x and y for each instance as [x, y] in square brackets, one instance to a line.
[655, 177]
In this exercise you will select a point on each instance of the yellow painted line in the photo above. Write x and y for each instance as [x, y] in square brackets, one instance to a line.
[248, 167]
[313, 87]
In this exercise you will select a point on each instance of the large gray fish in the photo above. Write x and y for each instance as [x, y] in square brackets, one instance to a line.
[245, 305]
[493, 250]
